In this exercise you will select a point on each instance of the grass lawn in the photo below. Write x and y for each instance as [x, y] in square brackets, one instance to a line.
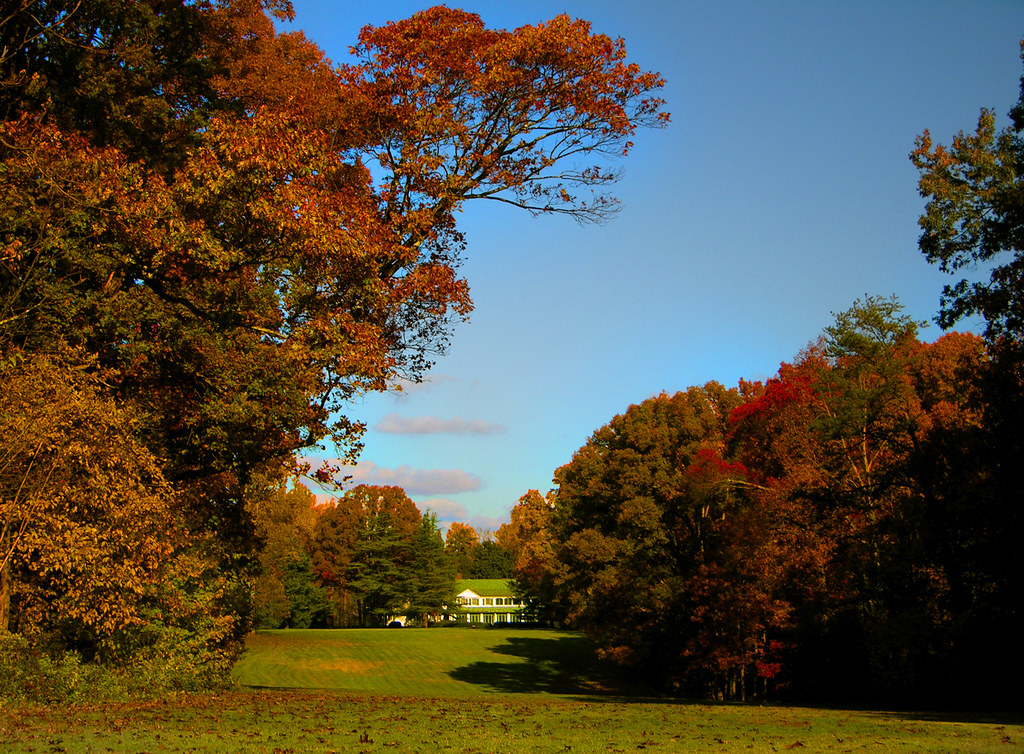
[435, 662]
[467, 691]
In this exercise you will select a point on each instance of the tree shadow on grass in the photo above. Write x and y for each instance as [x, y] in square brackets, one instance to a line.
[564, 665]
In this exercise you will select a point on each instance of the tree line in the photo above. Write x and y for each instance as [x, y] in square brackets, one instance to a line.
[212, 240]
[843, 531]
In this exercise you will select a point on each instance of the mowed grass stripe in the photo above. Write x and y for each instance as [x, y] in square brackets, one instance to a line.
[433, 662]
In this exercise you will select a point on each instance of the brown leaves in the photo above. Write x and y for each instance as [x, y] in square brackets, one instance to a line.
[973, 205]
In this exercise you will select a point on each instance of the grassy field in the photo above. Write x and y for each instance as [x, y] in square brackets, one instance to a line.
[439, 662]
[468, 691]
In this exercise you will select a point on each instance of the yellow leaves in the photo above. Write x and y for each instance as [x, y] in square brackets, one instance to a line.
[98, 532]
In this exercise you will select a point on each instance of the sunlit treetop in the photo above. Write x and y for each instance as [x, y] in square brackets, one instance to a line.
[457, 111]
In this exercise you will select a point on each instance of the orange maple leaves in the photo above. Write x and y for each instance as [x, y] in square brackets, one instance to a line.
[467, 112]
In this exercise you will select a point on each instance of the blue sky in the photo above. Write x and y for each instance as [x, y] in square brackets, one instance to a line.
[780, 193]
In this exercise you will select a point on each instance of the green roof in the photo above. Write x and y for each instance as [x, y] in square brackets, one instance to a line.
[486, 587]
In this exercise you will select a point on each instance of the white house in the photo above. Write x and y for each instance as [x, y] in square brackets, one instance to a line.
[488, 601]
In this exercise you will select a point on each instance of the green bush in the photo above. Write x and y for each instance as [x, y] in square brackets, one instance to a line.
[29, 674]
[175, 660]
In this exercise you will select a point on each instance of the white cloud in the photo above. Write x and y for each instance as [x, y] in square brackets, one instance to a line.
[417, 481]
[485, 525]
[396, 424]
[446, 510]
[323, 497]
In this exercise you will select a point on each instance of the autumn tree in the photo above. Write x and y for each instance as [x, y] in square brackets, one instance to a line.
[973, 216]
[963, 521]
[283, 511]
[528, 538]
[840, 531]
[529, 516]
[985, 509]
[473, 558]
[363, 552]
[94, 561]
[868, 411]
[973, 219]
[331, 550]
[378, 557]
[460, 544]
[864, 450]
[464, 112]
[639, 525]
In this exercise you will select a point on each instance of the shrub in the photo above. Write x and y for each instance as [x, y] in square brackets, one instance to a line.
[29, 674]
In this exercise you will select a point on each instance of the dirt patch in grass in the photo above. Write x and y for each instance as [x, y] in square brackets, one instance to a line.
[267, 640]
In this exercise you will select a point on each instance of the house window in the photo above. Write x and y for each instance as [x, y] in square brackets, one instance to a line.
[488, 601]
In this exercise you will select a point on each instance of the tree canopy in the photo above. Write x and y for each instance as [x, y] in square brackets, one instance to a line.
[282, 237]
[636, 516]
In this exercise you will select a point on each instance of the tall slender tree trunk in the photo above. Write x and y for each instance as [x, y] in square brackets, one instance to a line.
[6, 587]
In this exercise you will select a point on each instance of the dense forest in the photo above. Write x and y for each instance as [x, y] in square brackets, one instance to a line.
[214, 239]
